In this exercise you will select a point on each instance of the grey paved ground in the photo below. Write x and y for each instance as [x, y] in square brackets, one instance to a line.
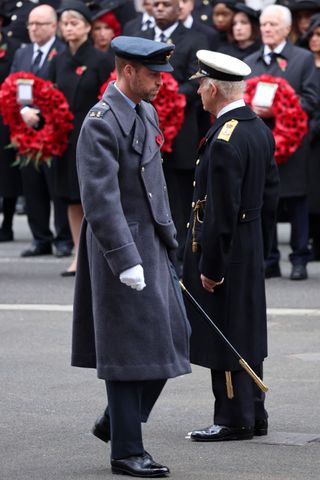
[47, 408]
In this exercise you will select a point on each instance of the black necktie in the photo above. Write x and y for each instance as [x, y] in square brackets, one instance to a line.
[162, 37]
[147, 25]
[273, 57]
[36, 62]
[138, 109]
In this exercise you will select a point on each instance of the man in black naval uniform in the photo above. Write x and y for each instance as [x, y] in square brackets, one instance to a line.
[135, 337]
[231, 227]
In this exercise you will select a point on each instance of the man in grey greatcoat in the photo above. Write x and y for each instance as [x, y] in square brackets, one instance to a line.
[135, 337]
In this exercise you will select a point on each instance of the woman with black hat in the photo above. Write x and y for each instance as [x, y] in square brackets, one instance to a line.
[245, 32]
[10, 181]
[311, 40]
[302, 11]
[222, 15]
[79, 73]
[105, 27]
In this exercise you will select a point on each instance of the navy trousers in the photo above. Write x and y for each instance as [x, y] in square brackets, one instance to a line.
[130, 404]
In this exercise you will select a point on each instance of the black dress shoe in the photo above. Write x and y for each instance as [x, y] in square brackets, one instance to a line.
[139, 466]
[101, 428]
[261, 428]
[299, 272]
[68, 273]
[36, 250]
[272, 271]
[6, 235]
[218, 433]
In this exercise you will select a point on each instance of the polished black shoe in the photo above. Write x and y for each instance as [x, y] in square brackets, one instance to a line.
[272, 271]
[36, 250]
[68, 273]
[101, 428]
[261, 428]
[219, 433]
[6, 235]
[299, 272]
[139, 466]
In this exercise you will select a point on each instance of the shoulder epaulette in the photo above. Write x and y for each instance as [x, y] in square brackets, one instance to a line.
[98, 112]
[227, 130]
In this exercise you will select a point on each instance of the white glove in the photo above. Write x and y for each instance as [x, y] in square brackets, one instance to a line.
[133, 277]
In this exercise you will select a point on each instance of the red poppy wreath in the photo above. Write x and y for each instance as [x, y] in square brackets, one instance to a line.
[291, 121]
[169, 105]
[36, 145]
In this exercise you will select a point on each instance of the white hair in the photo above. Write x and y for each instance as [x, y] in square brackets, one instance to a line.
[280, 9]
[227, 89]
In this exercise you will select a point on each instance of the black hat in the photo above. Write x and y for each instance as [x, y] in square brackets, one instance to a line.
[153, 55]
[76, 5]
[314, 23]
[4, 16]
[253, 14]
[299, 5]
[220, 67]
[228, 3]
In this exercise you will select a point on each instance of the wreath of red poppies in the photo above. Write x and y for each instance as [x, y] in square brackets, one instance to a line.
[291, 121]
[169, 105]
[52, 139]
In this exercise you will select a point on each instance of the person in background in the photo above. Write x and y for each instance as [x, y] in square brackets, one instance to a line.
[143, 21]
[311, 40]
[38, 190]
[10, 178]
[245, 32]
[79, 73]
[129, 318]
[297, 67]
[186, 17]
[302, 11]
[222, 15]
[105, 27]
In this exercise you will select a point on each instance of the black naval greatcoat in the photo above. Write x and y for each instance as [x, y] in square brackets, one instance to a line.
[127, 335]
[237, 181]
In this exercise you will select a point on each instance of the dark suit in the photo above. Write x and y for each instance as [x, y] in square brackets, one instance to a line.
[300, 72]
[237, 180]
[133, 27]
[179, 165]
[210, 33]
[38, 184]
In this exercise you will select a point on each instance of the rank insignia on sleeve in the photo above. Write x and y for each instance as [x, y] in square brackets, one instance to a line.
[227, 130]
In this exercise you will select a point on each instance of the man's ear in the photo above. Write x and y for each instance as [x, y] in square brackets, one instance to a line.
[213, 90]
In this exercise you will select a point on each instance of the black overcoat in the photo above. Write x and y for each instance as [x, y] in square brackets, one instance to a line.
[239, 179]
[126, 334]
[82, 91]
[10, 178]
[314, 161]
[301, 75]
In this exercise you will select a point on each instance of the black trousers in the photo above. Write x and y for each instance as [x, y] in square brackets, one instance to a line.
[38, 192]
[296, 211]
[130, 404]
[247, 406]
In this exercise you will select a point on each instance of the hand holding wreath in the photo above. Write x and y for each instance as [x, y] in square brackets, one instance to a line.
[52, 137]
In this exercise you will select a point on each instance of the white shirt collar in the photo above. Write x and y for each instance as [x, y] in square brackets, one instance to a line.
[278, 48]
[147, 18]
[168, 32]
[188, 22]
[44, 49]
[231, 106]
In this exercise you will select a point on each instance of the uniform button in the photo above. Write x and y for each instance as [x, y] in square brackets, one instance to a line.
[204, 17]
[150, 194]
[142, 169]
[19, 4]
[14, 17]
[192, 204]
[205, 2]
[137, 141]
[243, 216]
[198, 161]
[188, 225]
[104, 104]
[161, 160]
[194, 183]
[164, 188]
[9, 34]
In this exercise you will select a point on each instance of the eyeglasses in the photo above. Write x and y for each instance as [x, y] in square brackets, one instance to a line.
[37, 24]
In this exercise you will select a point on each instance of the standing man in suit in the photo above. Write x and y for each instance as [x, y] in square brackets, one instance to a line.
[179, 165]
[186, 17]
[143, 20]
[129, 318]
[297, 67]
[38, 184]
[231, 228]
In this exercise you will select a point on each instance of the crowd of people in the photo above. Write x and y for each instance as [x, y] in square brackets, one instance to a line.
[54, 38]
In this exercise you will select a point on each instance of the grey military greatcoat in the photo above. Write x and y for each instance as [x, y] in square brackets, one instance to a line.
[127, 335]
